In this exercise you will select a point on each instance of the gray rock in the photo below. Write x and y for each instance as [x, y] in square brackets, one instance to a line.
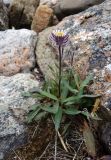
[90, 36]
[13, 109]
[64, 8]
[17, 51]
[7, 2]
[22, 12]
[50, 3]
[4, 21]
[79, 5]
[45, 54]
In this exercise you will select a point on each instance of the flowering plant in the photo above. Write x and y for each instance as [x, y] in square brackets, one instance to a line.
[63, 95]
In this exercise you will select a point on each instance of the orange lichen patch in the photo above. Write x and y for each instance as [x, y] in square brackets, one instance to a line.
[12, 68]
[26, 53]
[3, 63]
[42, 18]
[108, 78]
[82, 67]
[97, 88]
[107, 75]
[107, 53]
[17, 61]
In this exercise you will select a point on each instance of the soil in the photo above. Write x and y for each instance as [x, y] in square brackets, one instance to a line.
[41, 143]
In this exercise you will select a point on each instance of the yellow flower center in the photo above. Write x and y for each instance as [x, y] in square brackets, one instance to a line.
[59, 34]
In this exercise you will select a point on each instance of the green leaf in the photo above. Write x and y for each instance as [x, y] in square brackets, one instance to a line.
[40, 115]
[34, 90]
[33, 95]
[85, 83]
[66, 126]
[53, 71]
[64, 90]
[71, 111]
[77, 80]
[95, 117]
[66, 84]
[31, 115]
[26, 94]
[90, 96]
[34, 107]
[50, 109]
[49, 95]
[72, 100]
[86, 113]
[58, 118]
[37, 95]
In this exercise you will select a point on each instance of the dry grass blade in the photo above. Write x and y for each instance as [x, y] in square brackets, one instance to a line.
[43, 152]
[77, 151]
[62, 142]
[17, 155]
[96, 105]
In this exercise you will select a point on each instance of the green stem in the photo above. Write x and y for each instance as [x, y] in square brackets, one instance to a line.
[60, 71]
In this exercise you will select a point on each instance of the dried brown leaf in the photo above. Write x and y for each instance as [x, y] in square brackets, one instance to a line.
[89, 140]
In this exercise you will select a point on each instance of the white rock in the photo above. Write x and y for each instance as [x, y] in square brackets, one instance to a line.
[13, 108]
[17, 51]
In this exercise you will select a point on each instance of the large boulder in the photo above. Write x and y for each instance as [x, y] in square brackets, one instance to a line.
[17, 51]
[22, 12]
[42, 19]
[4, 21]
[64, 8]
[13, 109]
[90, 34]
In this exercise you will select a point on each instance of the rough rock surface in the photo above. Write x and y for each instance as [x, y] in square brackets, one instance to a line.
[44, 53]
[13, 109]
[48, 2]
[17, 51]
[64, 8]
[4, 21]
[90, 34]
[22, 12]
[42, 19]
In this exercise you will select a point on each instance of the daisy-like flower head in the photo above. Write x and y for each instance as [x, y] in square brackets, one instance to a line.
[59, 38]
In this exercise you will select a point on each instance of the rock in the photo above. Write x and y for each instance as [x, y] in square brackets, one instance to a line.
[22, 12]
[13, 109]
[107, 73]
[7, 2]
[4, 21]
[64, 8]
[90, 34]
[42, 19]
[44, 53]
[77, 6]
[48, 2]
[17, 51]
[106, 157]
